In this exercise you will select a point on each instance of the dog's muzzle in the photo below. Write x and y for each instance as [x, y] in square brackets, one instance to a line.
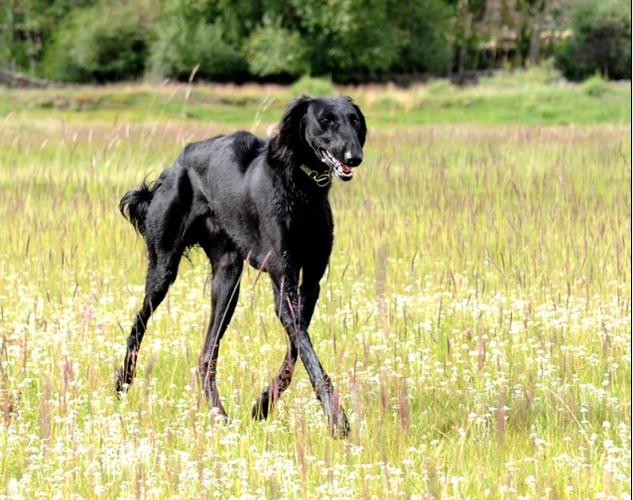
[340, 169]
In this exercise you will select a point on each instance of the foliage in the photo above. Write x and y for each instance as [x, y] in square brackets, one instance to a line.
[27, 28]
[272, 50]
[601, 41]
[180, 46]
[348, 39]
[345, 40]
[595, 86]
[105, 42]
[423, 33]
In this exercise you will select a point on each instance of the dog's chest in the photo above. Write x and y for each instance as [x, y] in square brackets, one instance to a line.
[307, 226]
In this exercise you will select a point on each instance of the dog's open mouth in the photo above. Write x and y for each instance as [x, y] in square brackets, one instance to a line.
[341, 170]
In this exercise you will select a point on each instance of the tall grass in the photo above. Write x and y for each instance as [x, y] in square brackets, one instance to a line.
[475, 317]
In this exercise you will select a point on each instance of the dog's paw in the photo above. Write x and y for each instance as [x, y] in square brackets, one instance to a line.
[218, 415]
[261, 408]
[339, 426]
[120, 385]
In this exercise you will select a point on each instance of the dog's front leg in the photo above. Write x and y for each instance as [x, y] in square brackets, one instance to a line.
[290, 314]
[268, 398]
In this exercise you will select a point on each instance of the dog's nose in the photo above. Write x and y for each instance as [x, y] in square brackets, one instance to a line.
[353, 159]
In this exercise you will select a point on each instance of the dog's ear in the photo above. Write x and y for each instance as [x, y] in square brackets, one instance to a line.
[362, 130]
[288, 139]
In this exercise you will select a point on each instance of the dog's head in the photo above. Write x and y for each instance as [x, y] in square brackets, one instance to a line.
[323, 133]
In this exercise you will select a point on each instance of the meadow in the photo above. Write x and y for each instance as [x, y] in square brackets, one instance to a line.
[475, 316]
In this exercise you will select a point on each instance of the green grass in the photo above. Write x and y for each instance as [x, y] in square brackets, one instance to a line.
[475, 316]
[523, 98]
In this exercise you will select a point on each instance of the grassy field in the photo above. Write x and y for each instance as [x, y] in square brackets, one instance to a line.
[475, 315]
[534, 97]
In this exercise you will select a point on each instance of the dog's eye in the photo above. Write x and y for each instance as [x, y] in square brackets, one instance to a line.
[325, 122]
[355, 122]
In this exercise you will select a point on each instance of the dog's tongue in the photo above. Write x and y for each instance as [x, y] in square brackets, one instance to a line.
[345, 169]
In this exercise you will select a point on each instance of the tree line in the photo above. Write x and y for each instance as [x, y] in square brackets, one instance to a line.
[345, 40]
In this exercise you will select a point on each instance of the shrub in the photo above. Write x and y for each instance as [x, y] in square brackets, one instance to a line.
[600, 42]
[180, 45]
[308, 85]
[273, 51]
[595, 86]
[545, 74]
[106, 42]
[439, 87]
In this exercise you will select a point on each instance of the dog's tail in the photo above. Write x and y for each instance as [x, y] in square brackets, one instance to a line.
[134, 205]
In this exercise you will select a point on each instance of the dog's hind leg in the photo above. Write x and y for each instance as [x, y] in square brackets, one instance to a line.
[165, 216]
[161, 274]
[227, 267]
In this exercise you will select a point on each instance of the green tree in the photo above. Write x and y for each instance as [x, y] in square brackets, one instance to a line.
[272, 50]
[348, 39]
[108, 41]
[182, 45]
[600, 41]
[27, 28]
[423, 30]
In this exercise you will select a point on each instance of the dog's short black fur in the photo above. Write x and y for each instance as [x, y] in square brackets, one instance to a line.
[242, 198]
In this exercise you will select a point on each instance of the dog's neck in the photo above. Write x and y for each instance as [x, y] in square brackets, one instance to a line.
[301, 169]
[320, 178]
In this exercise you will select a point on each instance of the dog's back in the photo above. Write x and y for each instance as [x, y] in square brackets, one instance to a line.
[235, 151]
[216, 161]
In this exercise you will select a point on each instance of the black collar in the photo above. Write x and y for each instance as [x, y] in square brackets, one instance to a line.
[321, 179]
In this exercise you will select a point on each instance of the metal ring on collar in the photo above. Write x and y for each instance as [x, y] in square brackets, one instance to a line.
[321, 179]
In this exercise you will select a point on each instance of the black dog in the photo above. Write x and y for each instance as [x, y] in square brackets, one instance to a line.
[242, 198]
